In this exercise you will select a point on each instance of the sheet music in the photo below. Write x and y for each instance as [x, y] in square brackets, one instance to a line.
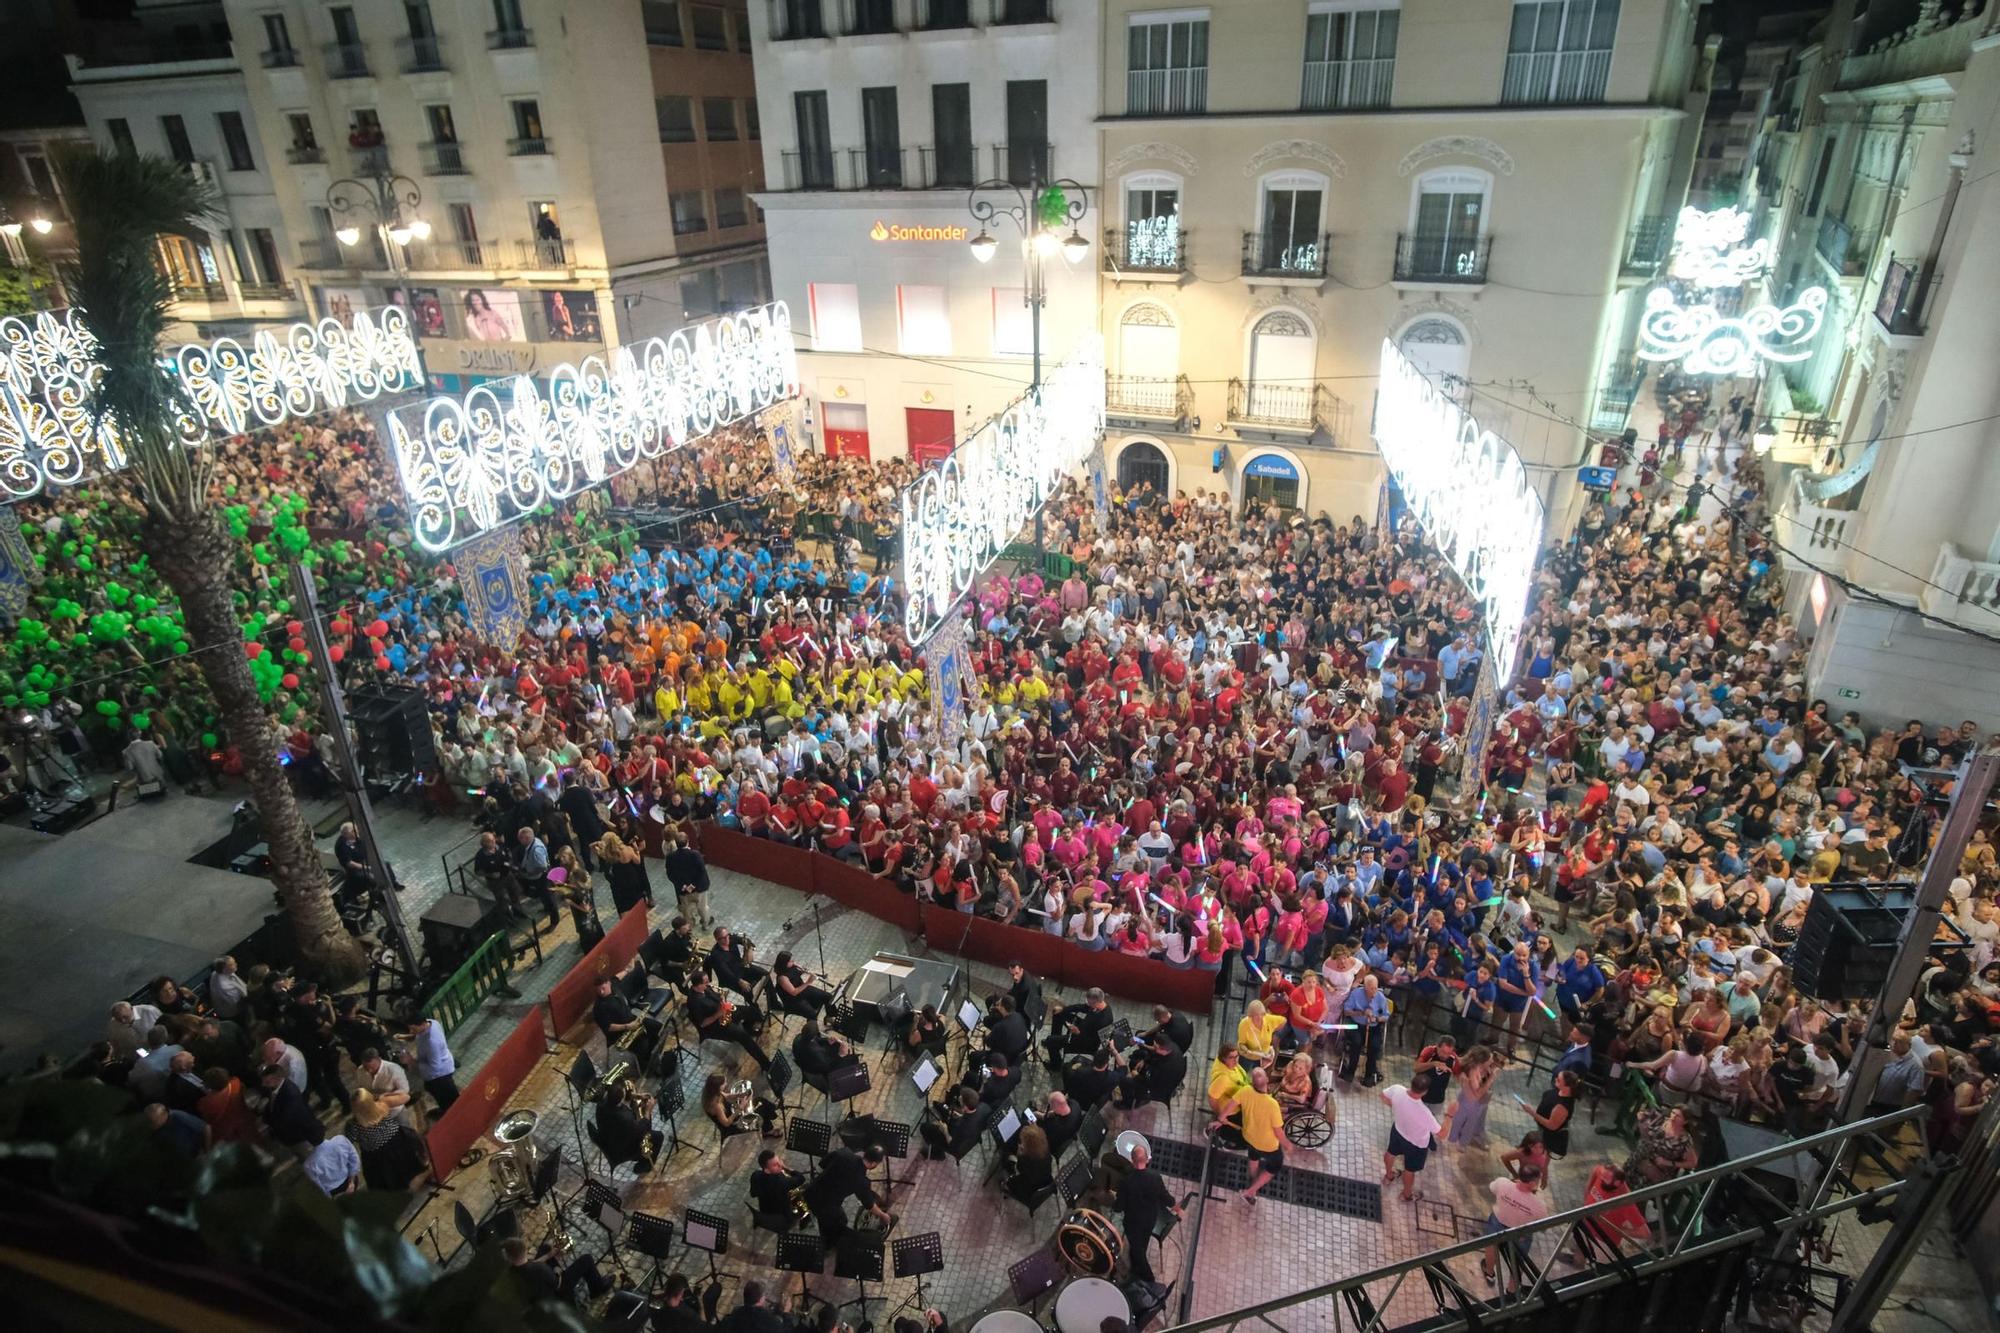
[1009, 1126]
[925, 1074]
[970, 1015]
[896, 970]
[699, 1235]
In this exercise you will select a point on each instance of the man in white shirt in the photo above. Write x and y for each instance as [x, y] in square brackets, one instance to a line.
[387, 1080]
[226, 990]
[1410, 1140]
[129, 1027]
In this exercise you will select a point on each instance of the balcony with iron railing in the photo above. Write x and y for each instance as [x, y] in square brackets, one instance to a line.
[1285, 258]
[1020, 163]
[1148, 398]
[943, 15]
[953, 167]
[1146, 247]
[1647, 246]
[1424, 257]
[813, 170]
[208, 293]
[1900, 307]
[510, 39]
[548, 252]
[370, 161]
[347, 60]
[1842, 250]
[1285, 407]
[798, 20]
[1963, 590]
[1345, 85]
[267, 291]
[1615, 398]
[1166, 92]
[421, 55]
[533, 146]
[444, 158]
[881, 167]
[322, 253]
[1555, 77]
[868, 18]
[445, 255]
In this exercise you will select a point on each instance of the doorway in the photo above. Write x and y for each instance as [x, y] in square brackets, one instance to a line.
[846, 430]
[930, 433]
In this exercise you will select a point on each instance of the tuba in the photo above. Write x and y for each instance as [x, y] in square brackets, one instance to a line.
[513, 1166]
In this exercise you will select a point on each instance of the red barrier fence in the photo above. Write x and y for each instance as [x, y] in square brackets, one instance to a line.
[570, 999]
[481, 1101]
[975, 937]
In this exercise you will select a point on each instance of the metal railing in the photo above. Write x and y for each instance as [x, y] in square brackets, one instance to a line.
[322, 252]
[267, 291]
[1267, 255]
[210, 292]
[797, 20]
[370, 161]
[1844, 252]
[303, 154]
[1555, 76]
[876, 168]
[937, 15]
[347, 60]
[1147, 245]
[444, 158]
[1615, 398]
[1338, 85]
[546, 252]
[1020, 163]
[1166, 92]
[1647, 245]
[510, 39]
[1023, 11]
[951, 168]
[1900, 305]
[1289, 406]
[481, 975]
[280, 57]
[421, 55]
[867, 18]
[536, 146]
[1149, 397]
[1427, 257]
[447, 255]
[1696, 1219]
[811, 171]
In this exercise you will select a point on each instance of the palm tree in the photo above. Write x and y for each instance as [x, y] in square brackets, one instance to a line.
[121, 203]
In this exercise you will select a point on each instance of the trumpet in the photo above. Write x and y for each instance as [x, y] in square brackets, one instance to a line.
[800, 1209]
[618, 1072]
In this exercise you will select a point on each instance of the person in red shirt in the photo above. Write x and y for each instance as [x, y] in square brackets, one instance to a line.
[753, 808]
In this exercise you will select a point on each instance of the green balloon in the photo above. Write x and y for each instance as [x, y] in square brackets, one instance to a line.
[208, 740]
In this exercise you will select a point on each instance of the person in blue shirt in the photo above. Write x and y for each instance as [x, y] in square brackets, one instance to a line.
[1368, 1009]
[1475, 1006]
[1516, 982]
[1579, 980]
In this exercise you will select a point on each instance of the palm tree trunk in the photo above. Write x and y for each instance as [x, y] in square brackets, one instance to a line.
[195, 558]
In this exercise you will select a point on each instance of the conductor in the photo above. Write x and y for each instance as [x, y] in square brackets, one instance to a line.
[843, 1175]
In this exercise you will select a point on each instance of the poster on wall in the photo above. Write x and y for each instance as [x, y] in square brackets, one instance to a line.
[493, 315]
[341, 303]
[571, 316]
[429, 314]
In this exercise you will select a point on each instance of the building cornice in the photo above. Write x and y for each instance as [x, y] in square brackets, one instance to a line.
[1602, 111]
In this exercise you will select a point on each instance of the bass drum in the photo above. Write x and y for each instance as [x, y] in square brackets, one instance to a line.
[1089, 1243]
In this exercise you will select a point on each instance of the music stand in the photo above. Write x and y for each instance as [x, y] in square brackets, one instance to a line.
[894, 1138]
[916, 1256]
[814, 1138]
[673, 1100]
[653, 1237]
[627, 1310]
[545, 1176]
[603, 1207]
[924, 1075]
[847, 1082]
[801, 1252]
[851, 1023]
[708, 1233]
[1031, 1278]
[778, 1074]
[859, 1259]
[1075, 1178]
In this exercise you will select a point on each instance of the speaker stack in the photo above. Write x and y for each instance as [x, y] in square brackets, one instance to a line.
[394, 729]
[1848, 942]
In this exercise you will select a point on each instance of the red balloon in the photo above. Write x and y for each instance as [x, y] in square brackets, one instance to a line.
[378, 629]
[336, 652]
[294, 628]
[253, 650]
[341, 624]
[290, 681]
[381, 664]
[297, 645]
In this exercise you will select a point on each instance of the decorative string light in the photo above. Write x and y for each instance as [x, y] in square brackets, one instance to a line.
[960, 515]
[474, 463]
[1707, 342]
[50, 434]
[1709, 250]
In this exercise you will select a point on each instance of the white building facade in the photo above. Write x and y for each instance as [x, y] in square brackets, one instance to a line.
[879, 115]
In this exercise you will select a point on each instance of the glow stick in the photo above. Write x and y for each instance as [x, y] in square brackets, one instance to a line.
[1255, 970]
[1546, 1008]
[1338, 1027]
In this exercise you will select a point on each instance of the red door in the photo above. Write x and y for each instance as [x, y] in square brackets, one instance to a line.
[846, 430]
[930, 433]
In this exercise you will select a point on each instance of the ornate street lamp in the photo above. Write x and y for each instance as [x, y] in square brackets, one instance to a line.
[388, 204]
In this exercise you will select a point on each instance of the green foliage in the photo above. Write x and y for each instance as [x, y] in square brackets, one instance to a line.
[26, 289]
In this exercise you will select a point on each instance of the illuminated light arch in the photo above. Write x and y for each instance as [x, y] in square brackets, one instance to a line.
[1707, 342]
[49, 435]
[477, 462]
[1709, 249]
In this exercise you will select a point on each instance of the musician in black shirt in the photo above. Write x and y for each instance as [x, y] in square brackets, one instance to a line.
[818, 1054]
[953, 1126]
[843, 1175]
[1078, 1027]
[771, 1185]
[1157, 1072]
[714, 1020]
[1090, 1085]
[615, 1019]
[1019, 986]
[1142, 1197]
[729, 960]
[1006, 1031]
[624, 1127]
[1177, 1027]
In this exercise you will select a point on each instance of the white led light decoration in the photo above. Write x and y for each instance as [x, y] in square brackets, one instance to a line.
[1707, 342]
[1469, 491]
[1709, 249]
[961, 514]
[48, 370]
[474, 463]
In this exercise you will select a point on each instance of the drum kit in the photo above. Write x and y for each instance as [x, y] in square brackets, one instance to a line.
[1093, 1248]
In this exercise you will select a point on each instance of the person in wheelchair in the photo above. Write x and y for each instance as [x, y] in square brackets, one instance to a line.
[1158, 1070]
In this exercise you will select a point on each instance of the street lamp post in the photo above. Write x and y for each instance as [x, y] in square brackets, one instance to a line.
[1041, 210]
[387, 203]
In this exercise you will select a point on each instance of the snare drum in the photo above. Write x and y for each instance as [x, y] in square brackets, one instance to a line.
[1089, 1243]
[1085, 1303]
[1006, 1321]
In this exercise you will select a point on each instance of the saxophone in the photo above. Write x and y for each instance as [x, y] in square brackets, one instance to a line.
[560, 1246]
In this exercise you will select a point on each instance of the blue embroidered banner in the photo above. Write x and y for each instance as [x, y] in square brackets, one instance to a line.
[492, 577]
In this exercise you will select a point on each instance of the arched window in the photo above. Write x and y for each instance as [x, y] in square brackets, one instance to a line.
[1448, 219]
[1291, 212]
[1152, 238]
[1149, 360]
[1437, 346]
[1142, 461]
[1268, 479]
[1282, 353]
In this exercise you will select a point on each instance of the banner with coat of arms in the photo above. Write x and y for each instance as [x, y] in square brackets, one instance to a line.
[493, 578]
[781, 450]
[947, 658]
[1478, 736]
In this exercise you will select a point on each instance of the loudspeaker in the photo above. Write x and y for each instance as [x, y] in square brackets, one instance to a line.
[1848, 942]
[395, 729]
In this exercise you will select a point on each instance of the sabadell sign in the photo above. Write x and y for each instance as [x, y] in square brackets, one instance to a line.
[889, 231]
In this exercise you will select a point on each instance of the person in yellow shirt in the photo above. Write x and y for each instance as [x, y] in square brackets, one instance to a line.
[1226, 1077]
[667, 701]
[1256, 1115]
[1257, 1032]
[1034, 689]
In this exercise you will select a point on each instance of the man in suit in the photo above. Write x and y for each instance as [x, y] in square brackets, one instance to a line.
[287, 1114]
[584, 818]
